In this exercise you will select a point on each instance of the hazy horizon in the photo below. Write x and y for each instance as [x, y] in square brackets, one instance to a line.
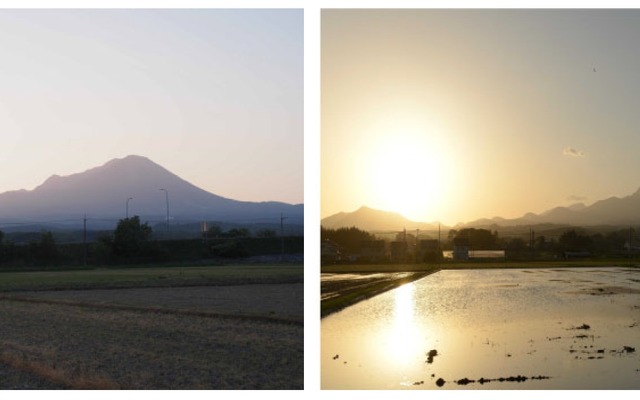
[456, 115]
[215, 96]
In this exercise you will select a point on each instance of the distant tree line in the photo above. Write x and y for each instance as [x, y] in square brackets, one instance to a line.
[349, 239]
[216, 231]
[477, 238]
[573, 241]
[132, 242]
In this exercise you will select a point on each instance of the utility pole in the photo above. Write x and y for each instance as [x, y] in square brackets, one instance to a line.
[416, 247]
[439, 246]
[166, 193]
[531, 242]
[130, 198]
[84, 238]
[282, 218]
[204, 231]
[629, 243]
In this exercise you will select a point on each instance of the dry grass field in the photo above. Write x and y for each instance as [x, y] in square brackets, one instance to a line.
[209, 336]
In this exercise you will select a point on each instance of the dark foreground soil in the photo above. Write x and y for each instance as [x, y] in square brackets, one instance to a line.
[171, 338]
[16, 379]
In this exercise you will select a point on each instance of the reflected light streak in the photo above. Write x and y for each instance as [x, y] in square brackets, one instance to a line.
[403, 338]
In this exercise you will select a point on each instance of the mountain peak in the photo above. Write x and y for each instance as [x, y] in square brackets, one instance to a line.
[102, 192]
[371, 219]
[132, 157]
[577, 207]
[369, 210]
[132, 160]
[52, 178]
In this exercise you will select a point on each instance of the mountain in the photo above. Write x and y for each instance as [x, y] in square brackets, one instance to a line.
[613, 211]
[368, 219]
[102, 192]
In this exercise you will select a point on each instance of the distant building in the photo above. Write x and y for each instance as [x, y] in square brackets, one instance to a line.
[461, 248]
[329, 252]
[576, 254]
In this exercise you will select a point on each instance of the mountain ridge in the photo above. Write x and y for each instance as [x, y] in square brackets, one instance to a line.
[370, 219]
[103, 192]
[612, 211]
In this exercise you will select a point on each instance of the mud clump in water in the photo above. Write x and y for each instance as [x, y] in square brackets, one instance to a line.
[517, 378]
[430, 355]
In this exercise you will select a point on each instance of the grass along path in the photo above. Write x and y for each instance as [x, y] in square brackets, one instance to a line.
[149, 277]
[156, 310]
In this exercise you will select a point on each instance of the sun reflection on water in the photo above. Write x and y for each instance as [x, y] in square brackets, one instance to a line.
[403, 337]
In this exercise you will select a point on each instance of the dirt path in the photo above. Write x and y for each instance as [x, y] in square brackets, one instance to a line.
[273, 300]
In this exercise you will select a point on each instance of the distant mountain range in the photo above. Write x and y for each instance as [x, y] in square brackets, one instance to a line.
[102, 192]
[613, 211]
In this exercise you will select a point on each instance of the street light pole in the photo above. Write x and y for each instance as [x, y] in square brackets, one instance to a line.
[166, 193]
[282, 218]
[130, 198]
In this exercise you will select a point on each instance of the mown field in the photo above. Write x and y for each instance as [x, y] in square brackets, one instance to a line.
[97, 278]
[153, 328]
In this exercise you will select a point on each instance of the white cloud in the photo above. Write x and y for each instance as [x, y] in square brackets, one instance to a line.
[570, 151]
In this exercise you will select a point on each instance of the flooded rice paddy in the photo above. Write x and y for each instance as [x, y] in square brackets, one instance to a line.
[572, 328]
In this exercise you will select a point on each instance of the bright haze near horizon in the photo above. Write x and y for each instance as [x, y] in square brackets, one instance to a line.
[214, 96]
[455, 115]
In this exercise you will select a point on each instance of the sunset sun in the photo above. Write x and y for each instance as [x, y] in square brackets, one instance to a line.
[408, 172]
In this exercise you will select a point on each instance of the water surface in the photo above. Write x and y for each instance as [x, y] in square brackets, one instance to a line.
[573, 328]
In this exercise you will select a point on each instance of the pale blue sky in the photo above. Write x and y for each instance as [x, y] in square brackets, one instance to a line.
[215, 96]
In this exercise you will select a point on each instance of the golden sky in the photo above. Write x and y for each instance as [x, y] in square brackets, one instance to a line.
[454, 115]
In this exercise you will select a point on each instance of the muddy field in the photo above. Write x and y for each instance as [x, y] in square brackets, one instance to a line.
[340, 290]
[208, 337]
[553, 328]
[346, 285]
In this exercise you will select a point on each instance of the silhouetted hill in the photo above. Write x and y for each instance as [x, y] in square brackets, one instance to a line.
[602, 214]
[102, 192]
[368, 219]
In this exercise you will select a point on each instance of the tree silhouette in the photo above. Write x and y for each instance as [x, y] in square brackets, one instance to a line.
[45, 251]
[479, 239]
[350, 239]
[131, 238]
[266, 233]
[573, 240]
[215, 231]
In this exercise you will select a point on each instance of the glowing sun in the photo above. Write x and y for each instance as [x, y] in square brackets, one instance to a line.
[409, 173]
